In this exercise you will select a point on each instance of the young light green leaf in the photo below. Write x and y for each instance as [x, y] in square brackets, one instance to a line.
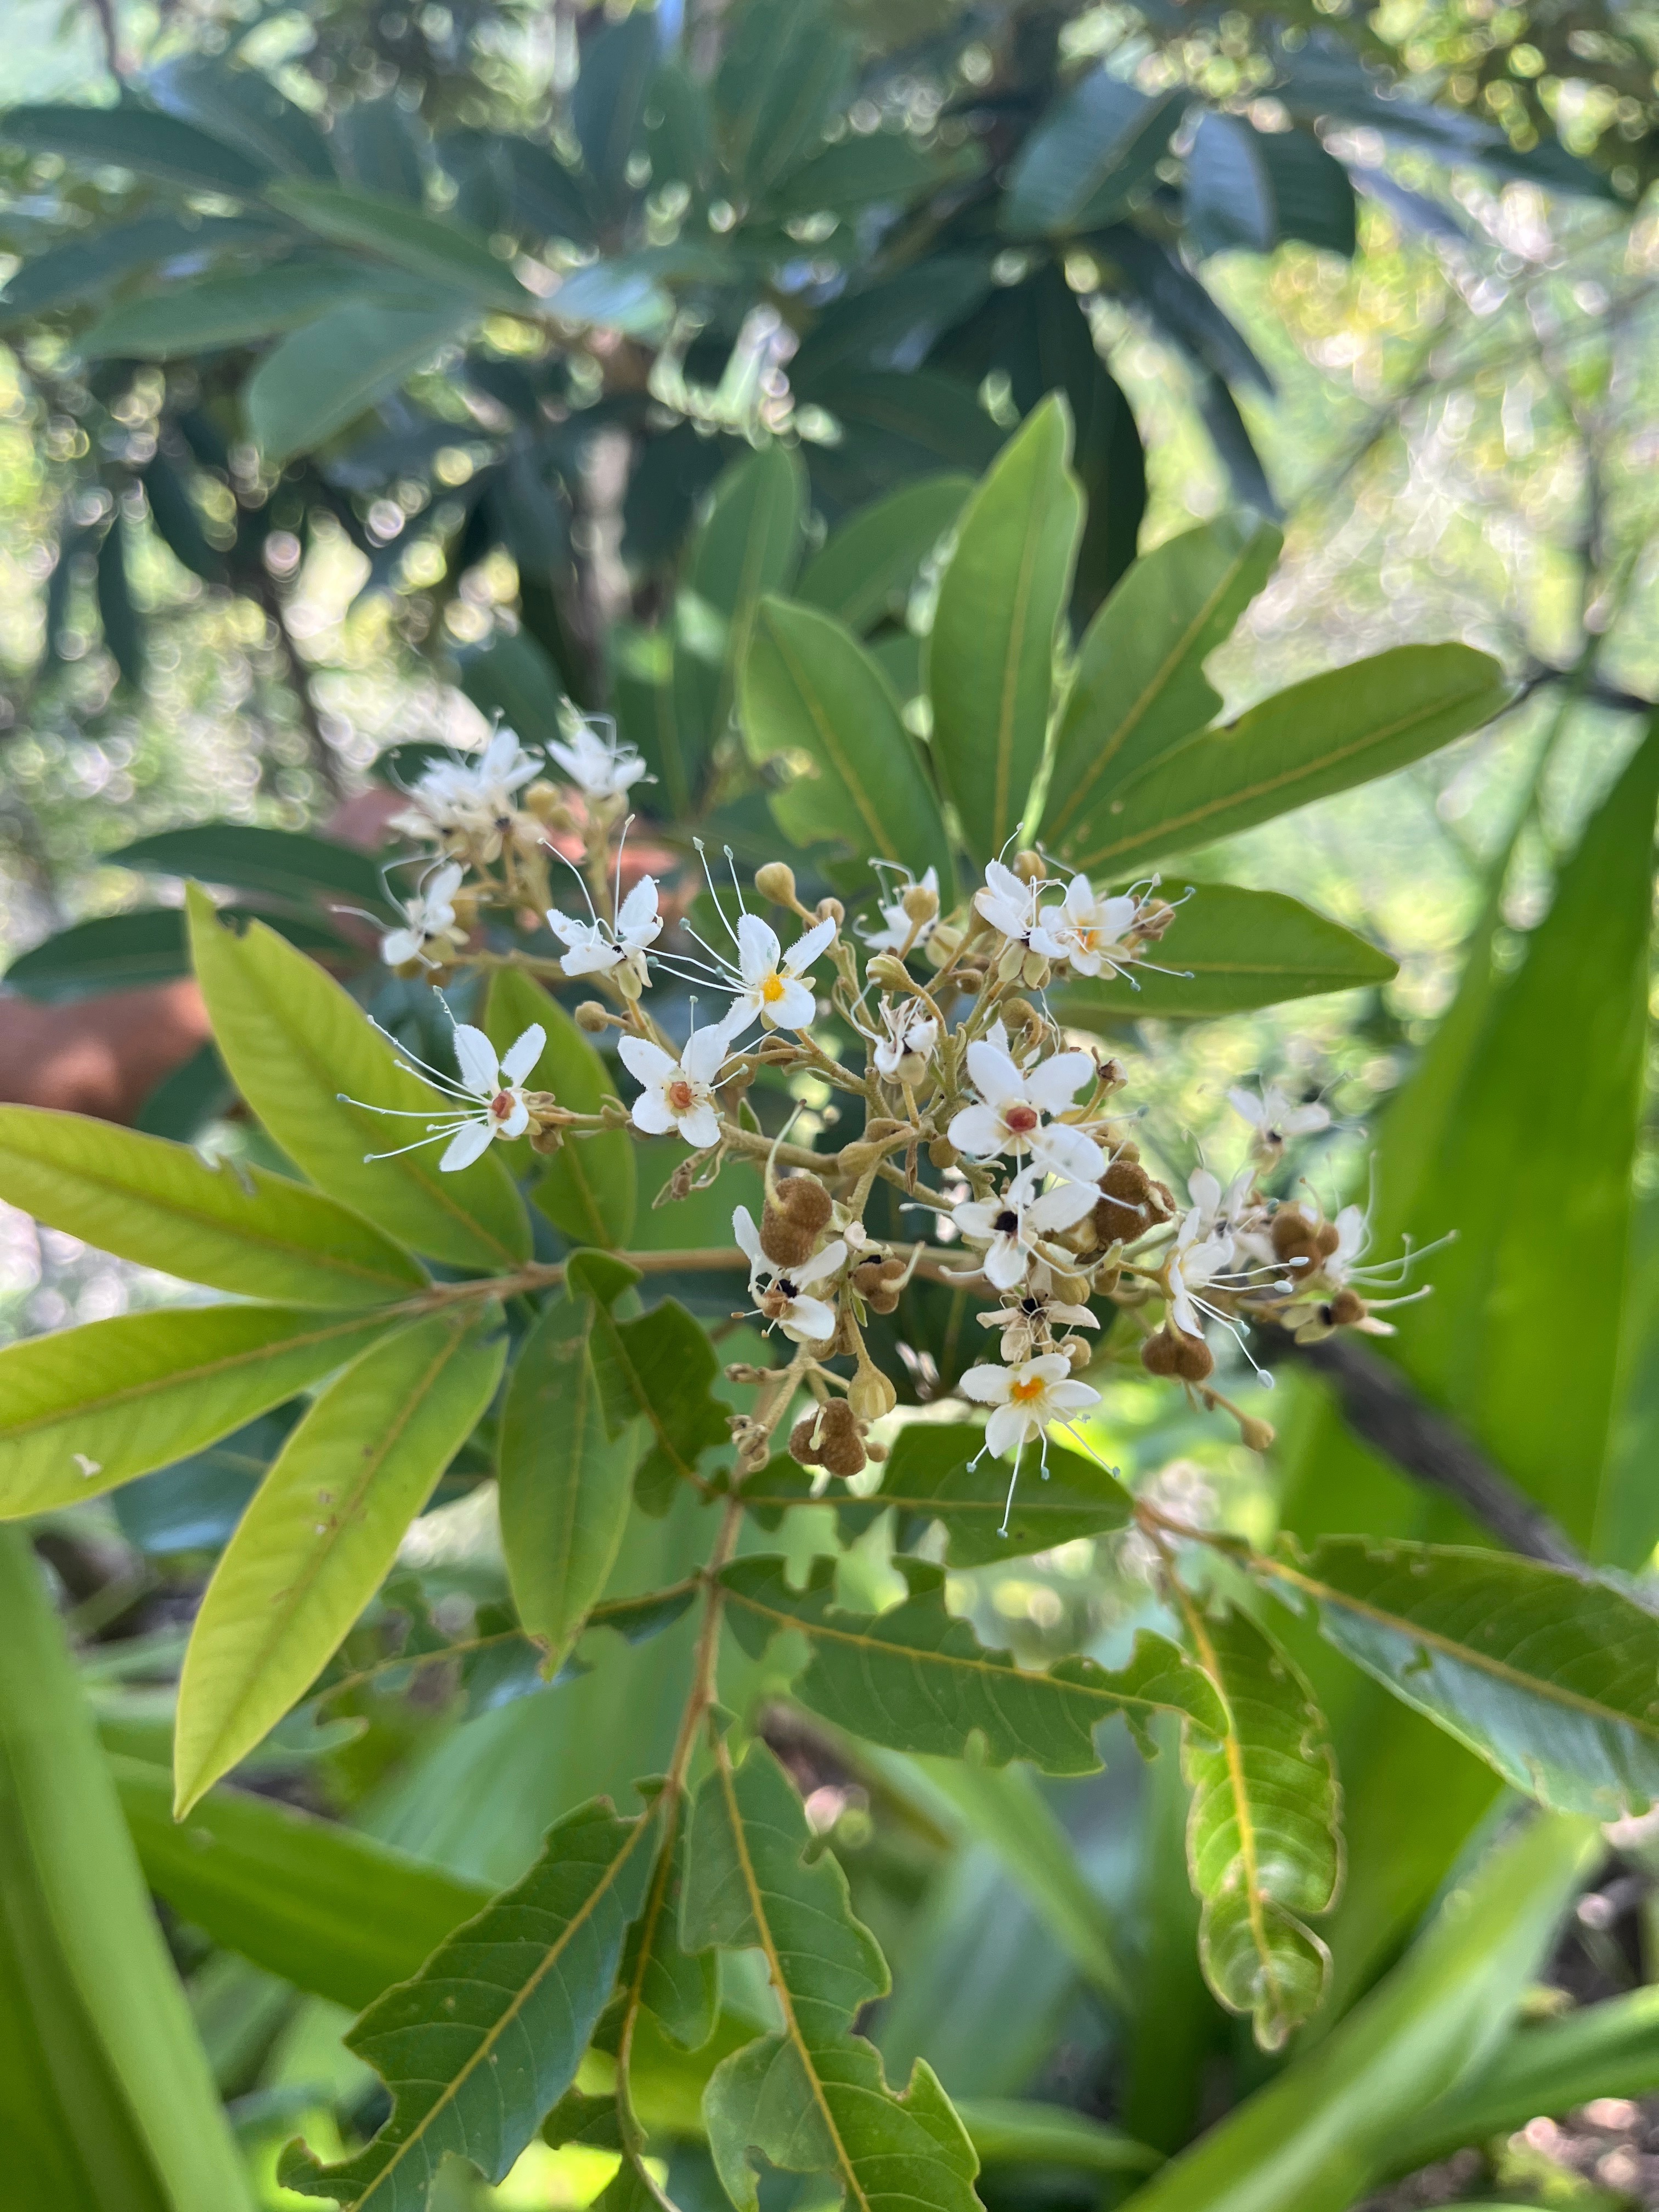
[657, 1368]
[812, 2099]
[487, 2038]
[809, 691]
[565, 1480]
[87, 1407]
[916, 1679]
[236, 1228]
[1139, 688]
[589, 1188]
[990, 653]
[317, 380]
[294, 1040]
[930, 1477]
[1321, 735]
[230, 310]
[321, 1532]
[1230, 950]
[1263, 1842]
[331, 1910]
[1552, 1681]
[869, 565]
[442, 252]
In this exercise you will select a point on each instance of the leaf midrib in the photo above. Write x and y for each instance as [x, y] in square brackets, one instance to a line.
[869, 813]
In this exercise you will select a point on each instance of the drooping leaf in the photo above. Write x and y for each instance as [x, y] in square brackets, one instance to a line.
[1139, 688]
[87, 1407]
[916, 1679]
[230, 310]
[808, 689]
[317, 380]
[1021, 2131]
[236, 1228]
[327, 1908]
[657, 1368]
[1321, 735]
[1230, 950]
[868, 566]
[122, 951]
[487, 2038]
[1251, 188]
[812, 2097]
[178, 521]
[441, 253]
[565, 1480]
[294, 1040]
[118, 615]
[321, 1532]
[137, 139]
[991, 652]
[588, 1189]
[289, 864]
[1553, 1681]
[1095, 146]
[1262, 1839]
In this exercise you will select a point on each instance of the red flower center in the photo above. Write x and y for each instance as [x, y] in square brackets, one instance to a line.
[1022, 1120]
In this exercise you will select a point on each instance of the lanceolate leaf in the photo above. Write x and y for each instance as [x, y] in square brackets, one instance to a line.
[230, 310]
[1553, 1681]
[322, 1530]
[917, 1680]
[565, 1480]
[1095, 147]
[236, 1228]
[443, 252]
[990, 654]
[809, 690]
[929, 1476]
[679, 1988]
[294, 1040]
[869, 565]
[317, 380]
[487, 2038]
[86, 1408]
[1320, 737]
[133, 138]
[588, 1189]
[288, 863]
[812, 2097]
[1227, 951]
[1262, 1839]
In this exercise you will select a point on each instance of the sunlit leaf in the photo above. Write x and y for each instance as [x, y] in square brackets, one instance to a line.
[588, 1188]
[317, 380]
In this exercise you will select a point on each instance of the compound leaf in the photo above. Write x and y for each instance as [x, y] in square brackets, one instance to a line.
[657, 1368]
[589, 1188]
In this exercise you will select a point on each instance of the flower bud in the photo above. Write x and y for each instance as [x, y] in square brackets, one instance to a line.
[830, 910]
[944, 944]
[921, 902]
[841, 1448]
[1194, 1361]
[776, 882]
[544, 800]
[792, 1217]
[1034, 971]
[1072, 1290]
[889, 971]
[1159, 1352]
[1346, 1308]
[593, 1016]
[1078, 1349]
[1029, 866]
[943, 1153]
[545, 1140]
[1257, 1435]
[870, 1393]
[1124, 1207]
[803, 1449]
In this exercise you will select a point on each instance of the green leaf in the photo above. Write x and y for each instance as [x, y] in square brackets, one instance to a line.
[1552, 1681]
[322, 1530]
[855, 173]
[657, 1368]
[317, 380]
[565, 1481]
[331, 1910]
[487, 2038]
[1253, 188]
[1093, 150]
[1322, 2133]
[991, 652]
[1232, 949]
[133, 138]
[1262, 1839]
[118, 611]
[87, 1407]
[608, 105]
[678, 1988]
[294, 1040]
[866, 570]
[930, 1476]
[441, 252]
[241, 106]
[231, 310]
[176, 518]
[1321, 735]
[589, 1188]
[236, 1228]
[122, 952]
[287, 863]
[106, 2094]
[810, 2098]
[1139, 688]
[82, 266]
[1019, 2131]
[809, 690]
[916, 1679]
[785, 70]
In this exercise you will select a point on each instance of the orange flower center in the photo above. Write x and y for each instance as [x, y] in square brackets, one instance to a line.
[681, 1095]
[501, 1105]
[1028, 1386]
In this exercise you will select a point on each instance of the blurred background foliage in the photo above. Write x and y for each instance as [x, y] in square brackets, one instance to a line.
[1391, 275]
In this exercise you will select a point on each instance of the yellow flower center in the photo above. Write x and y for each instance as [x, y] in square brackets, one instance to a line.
[772, 989]
[1028, 1386]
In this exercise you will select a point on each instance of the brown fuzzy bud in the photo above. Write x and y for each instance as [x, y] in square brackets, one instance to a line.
[1078, 1349]
[875, 1452]
[797, 1209]
[1344, 1309]
[1327, 1237]
[776, 882]
[545, 1140]
[1125, 1204]
[593, 1016]
[1194, 1361]
[841, 1448]
[802, 1450]
[1257, 1435]
[1294, 1238]
[1160, 1352]
[943, 1153]
[877, 1282]
[784, 1241]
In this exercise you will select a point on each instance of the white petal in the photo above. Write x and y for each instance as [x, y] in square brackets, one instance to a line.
[567, 929]
[1006, 1264]
[1008, 1428]
[1057, 1081]
[1205, 1190]
[993, 1074]
[701, 1127]
[1063, 1207]
[649, 1061]
[639, 907]
[757, 948]
[592, 959]
[821, 1263]
[516, 1122]
[475, 1055]
[1253, 1109]
[747, 1237]
[808, 947]
[522, 1056]
[797, 1009]
[1069, 1397]
[987, 1386]
[809, 1321]
[400, 945]
[1050, 1367]
[977, 1131]
[470, 1142]
[976, 1217]
[705, 1051]
[736, 1018]
[1068, 1152]
[651, 1113]
[443, 884]
[1303, 1121]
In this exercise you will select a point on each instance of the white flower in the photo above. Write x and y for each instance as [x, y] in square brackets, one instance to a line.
[1274, 1117]
[1195, 1263]
[428, 916]
[1011, 1116]
[594, 760]
[471, 795]
[493, 1093]
[1024, 1325]
[1013, 1227]
[768, 982]
[1235, 1214]
[594, 947]
[1008, 904]
[678, 1094]
[897, 930]
[911, 1033]
[1086, 931]
[778, 1294]
[1023, 1400]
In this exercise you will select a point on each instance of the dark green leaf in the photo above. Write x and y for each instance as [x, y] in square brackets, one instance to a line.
[442, 253]
[1020, 2131]
[487, 2038]
[1253, 188]
[288, 863]
[514, 677]
[243, 107]
[383, 148]
[812, 2097]
[1231, 949]
[896, 425]
[82, 267]
[122, 624]
[1094, 149]
[1229, 434]
[680, 1988]
[316, 380]
[178, 523]
[120, 951]
[608, 105]
[235, 309]
[889, 166]
[657, 1368]
[916, 1679]
[785, 68]
[133, 138]
[868, 569]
